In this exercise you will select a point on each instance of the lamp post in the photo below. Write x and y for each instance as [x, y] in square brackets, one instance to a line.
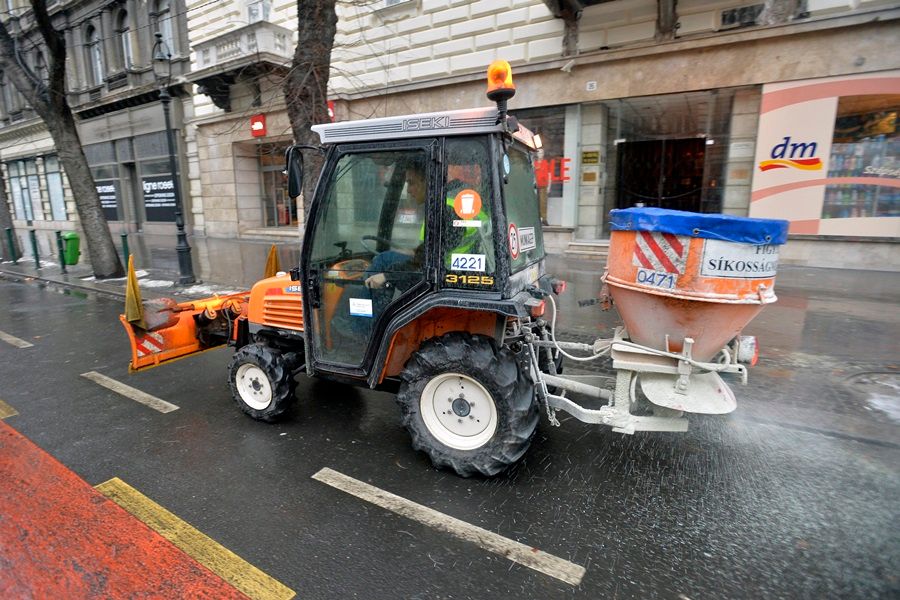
[162, 69]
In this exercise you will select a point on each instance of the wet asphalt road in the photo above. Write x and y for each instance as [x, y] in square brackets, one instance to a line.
[792, 496]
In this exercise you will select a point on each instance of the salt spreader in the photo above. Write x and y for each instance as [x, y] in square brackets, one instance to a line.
[685, 285]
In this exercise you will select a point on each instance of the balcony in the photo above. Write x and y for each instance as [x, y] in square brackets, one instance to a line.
[244, 52]
[260, 38]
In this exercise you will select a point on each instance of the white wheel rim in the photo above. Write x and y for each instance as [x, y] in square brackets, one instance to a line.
[253, 386]
[458, 411]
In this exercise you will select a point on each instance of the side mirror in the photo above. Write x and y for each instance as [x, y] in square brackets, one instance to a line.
[293, 168]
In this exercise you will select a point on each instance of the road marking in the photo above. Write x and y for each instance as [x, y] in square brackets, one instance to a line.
[488, 540]
[6, 410]
[130, 392]
[11, 339]
[205, 550]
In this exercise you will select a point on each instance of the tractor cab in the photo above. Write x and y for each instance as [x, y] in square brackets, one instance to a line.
[416, 222]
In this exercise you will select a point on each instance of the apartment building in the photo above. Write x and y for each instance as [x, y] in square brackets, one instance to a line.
[115, 97]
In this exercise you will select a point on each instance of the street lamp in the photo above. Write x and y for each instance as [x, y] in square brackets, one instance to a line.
[162, 69]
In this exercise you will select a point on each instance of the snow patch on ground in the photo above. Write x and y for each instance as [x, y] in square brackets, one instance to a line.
[139, 274]
[156, 283]
[207, 290]
[887, 398]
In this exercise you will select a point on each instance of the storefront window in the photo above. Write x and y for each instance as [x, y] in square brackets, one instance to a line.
[53, 180]
[828, 157]
[158, 186]
[106, 182]
[866, 144]
[25, 189]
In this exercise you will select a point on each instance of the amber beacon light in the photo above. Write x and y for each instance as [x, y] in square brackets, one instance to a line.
[499, 79]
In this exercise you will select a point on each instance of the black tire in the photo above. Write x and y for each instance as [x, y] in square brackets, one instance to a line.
[249, 366]
[510, 388]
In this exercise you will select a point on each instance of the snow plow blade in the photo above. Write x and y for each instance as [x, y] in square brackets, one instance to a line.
[176, 330]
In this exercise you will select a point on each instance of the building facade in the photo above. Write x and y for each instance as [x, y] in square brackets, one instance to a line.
[629, 112]
[114, 94]
[676, 104]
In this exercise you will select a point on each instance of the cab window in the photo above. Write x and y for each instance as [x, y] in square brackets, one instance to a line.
[371, 207]
[524, 234]
[467, 241]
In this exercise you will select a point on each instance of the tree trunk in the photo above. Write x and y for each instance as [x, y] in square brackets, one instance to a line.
[306, 86]
[6, 222]
[778, 12]
[101, 250]
[570, 36]
[49, 101]
[666, 20]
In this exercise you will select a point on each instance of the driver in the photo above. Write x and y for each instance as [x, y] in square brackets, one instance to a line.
[393, 267]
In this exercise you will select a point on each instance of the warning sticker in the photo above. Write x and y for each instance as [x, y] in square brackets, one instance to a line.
[467, 204]
[663, 252]
[743, 261]
[360, 307]
[513, 241]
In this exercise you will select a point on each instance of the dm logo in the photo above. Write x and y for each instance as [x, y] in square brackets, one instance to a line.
[798, 155]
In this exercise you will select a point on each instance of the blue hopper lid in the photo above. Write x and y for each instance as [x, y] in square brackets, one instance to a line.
[742, 230]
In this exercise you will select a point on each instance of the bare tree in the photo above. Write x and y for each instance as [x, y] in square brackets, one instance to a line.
[306, 86]
[666, 20]
[6, 223]
[49, 101]
[778, 12]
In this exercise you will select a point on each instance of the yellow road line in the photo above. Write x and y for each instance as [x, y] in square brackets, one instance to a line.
[215, 557]
[6, 410]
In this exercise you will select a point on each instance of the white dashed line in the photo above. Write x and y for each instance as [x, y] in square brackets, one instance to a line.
[11, 339]
[519, 553]
[130, 392]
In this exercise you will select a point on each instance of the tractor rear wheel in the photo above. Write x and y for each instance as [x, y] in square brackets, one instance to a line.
[261, 381]
[467, 404]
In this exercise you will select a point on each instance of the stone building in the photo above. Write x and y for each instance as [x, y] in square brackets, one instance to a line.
[638, 101]
[114, 94]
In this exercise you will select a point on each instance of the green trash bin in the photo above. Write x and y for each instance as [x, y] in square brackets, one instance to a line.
[71, 252]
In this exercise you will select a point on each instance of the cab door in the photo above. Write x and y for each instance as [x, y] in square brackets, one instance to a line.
[364, 254]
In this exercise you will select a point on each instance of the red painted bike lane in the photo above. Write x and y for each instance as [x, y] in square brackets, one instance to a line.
[60, 538]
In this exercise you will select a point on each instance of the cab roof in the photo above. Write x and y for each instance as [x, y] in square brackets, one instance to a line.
[437, 124]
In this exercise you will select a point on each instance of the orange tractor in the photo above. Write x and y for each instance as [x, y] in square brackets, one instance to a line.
[422, 272]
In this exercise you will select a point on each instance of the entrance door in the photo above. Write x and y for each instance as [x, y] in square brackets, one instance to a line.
[663, 173]
[366, 250]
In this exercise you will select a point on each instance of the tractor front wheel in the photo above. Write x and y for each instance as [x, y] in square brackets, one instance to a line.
[262, 382]
[467, 404]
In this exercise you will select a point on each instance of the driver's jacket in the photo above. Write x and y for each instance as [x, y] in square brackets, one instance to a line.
[467, 242]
